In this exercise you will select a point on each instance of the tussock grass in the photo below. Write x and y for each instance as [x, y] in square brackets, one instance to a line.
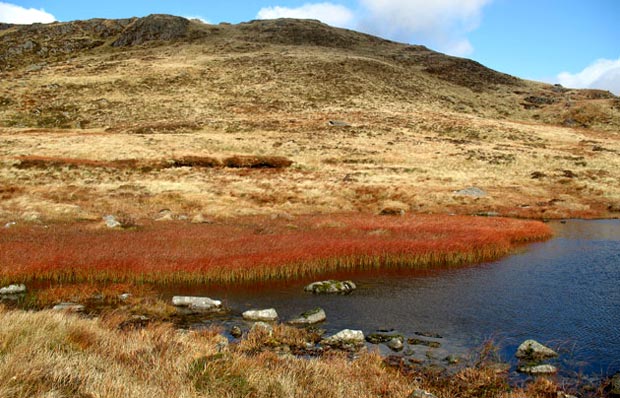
[256, 248]
[51, 354]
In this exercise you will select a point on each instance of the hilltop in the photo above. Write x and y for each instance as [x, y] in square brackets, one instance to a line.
[142, 116]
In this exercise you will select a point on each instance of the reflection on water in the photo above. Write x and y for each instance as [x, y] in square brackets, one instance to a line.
[564, 292]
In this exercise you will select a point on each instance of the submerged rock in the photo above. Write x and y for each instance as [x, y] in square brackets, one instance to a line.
[68, 307]
[538, 369]
[13, 289]
[345, 337]
[309, 317]
[396, 344]
[196, 303]
[431, 344]
[532, 350]
[236, 332]
[331, 287]
[382, 337]
[267, 315]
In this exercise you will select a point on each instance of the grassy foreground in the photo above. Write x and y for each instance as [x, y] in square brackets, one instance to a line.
[255, 248]
[50, 354]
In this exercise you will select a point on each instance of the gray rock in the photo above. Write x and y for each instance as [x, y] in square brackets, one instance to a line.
[396, 344]
[562, 394]
[124, 296]
[338, 123]
[9, 224]
[309, 317]
[331, 287]
[533, 350]
[346, 336]
[68, 307]
[471, 191]
[196, 303]
[13, 289]
[538, 369]
[111, 222]
[267, 315]
[419, 393]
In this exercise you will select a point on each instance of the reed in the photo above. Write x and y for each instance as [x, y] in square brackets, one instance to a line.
[256, 248]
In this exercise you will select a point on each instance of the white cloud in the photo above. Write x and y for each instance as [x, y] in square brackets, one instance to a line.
[201, 19]
[440, 24]
[602, 74]
[331, 14]
[11, 13]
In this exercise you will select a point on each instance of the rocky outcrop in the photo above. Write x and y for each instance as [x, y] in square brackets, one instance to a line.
[12, 290]
[419, 393]
[151, 28]
[331, 287]
[309, 317]
[531, 350]
[267, 315]
[197, 303]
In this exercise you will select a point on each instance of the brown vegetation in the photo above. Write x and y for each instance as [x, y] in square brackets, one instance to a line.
[256, 249]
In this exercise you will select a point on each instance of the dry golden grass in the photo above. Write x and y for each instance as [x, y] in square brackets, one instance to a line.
[422, 126]
[51, 354]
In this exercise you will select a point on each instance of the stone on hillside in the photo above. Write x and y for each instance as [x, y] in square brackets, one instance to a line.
[153, 27]
[345, 337]
[538, 369]
[196, 303]
[393, 208]
[533, 350]
[111, 222]
[330, 287]
[267, 315]
[338, 123]
[13, 289]
[68, 307]
[471, 191]
[309, 317]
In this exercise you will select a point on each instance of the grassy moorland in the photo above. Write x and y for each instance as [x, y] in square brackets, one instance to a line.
[47, 354]
[161, 118]
[255, 248]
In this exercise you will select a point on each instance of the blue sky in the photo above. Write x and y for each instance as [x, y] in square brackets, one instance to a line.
[574, 42]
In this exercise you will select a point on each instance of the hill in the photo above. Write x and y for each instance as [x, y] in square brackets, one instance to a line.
[163, 116]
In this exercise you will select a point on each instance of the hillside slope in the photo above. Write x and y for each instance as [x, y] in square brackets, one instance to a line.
[157, 89]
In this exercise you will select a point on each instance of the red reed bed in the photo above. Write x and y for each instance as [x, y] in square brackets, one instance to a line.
[255, 249]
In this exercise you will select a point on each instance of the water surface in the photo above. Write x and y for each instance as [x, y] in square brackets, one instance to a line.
[564, 292]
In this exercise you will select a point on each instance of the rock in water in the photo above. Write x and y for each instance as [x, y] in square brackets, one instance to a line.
[309, 317]
[267, 315]
[331, 287]
[196, 303]
[533, 350]
[538, 369]
[346, 337]
[13, 289]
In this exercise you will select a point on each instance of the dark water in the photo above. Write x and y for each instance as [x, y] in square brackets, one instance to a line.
[564, 292]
